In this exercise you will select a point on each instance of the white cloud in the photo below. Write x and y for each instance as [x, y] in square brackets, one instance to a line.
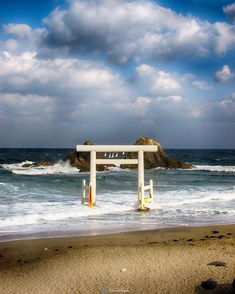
[228, 103]
[138, 106]
[201, 85]
[224, 38]
[24, 32]
[230, 10]
[174, 98]
[20, 30]
[127, 30]
[158, 82]
[67, 86]
[224, 74]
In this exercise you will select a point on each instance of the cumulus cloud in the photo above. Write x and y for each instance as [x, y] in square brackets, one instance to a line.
[68, 88]
[158, 82]
[19, 30]
[152, 29]
[138, 107]
[224, 38]
[230, 10]
[224, 74]
[25, 33]
[125, 30]
[228, 103]
[47, 81]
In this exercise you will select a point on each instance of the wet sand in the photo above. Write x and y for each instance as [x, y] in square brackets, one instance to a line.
[174, 260]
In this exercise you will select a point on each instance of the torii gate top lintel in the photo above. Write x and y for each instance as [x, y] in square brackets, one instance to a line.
[116, 148]
[93, 149]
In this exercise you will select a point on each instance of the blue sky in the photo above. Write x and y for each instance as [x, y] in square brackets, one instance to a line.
[114, 70]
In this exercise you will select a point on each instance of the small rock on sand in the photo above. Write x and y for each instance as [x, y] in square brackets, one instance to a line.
[217, 263]
[215, 232]
[209, 284]
[221, 236]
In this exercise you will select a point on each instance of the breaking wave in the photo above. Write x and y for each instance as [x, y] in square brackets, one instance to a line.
[58, 168]
[216, 168]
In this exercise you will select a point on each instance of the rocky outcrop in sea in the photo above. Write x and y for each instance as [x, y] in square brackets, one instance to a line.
[155, 159]
[81, 160]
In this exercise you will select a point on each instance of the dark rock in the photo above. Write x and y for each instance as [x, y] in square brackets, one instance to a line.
[215, 232]
[233, 284]
[209, 284]
[221, 236]
[81, 160]
[217, 263]
[229, 234]
[212, 237]
[155, 159]
[190, 240]
[39, 163]
[19, 260]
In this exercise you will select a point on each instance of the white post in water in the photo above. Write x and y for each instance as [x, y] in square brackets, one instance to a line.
[83, 191]
[140, 149]
[93, 175]
[141, 179]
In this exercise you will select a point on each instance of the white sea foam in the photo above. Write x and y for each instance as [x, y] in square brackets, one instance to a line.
[47, 212]
[58, 168]
[216, 168]
[122, 205]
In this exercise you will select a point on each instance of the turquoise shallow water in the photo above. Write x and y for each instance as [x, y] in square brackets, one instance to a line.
[47, 201]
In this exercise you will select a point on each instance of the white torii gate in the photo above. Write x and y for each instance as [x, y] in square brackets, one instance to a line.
[93, 149]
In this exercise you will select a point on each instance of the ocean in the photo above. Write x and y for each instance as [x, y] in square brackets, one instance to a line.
[46, 201]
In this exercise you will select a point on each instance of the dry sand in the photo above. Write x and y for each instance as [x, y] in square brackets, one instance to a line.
[164, 261]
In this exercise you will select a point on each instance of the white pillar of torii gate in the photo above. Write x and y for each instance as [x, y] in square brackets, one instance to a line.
[93, 149]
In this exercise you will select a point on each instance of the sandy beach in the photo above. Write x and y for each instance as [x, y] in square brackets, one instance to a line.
[174, 260]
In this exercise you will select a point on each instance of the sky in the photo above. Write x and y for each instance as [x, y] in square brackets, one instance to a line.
[115, 70]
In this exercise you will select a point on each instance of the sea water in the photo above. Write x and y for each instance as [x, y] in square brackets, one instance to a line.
[46, 201]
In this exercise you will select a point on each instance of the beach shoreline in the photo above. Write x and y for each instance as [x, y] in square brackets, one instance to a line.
[139, 261]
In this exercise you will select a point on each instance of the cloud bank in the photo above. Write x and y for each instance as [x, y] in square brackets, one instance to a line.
[113, 70]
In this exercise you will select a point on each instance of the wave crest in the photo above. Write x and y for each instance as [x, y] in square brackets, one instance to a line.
[57, 168]
[216, 168]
